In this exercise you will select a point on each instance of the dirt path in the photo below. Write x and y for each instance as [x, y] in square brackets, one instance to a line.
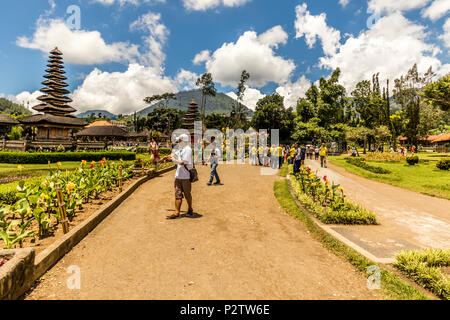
[244, 246]
[408, 220]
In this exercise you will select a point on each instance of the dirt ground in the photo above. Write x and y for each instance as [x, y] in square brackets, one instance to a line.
[242, 245]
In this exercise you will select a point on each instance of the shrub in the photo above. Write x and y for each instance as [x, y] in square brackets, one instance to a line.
[424, 267]
[412, 160]
[45, 157]
[359, 162]
[162, 151]
[443, 164]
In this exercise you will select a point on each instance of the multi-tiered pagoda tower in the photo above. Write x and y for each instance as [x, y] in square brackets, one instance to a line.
[191, 116]
[55, 124]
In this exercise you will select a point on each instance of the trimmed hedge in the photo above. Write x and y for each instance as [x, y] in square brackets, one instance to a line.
[362, 164]
[45, 157]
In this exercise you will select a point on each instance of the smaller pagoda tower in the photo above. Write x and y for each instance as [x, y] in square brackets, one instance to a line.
[191, 116]
[55, 123]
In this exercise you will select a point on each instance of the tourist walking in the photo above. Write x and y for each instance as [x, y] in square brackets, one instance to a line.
[292, 152]
[297, 159]
[155, 152]
[316, 153]
[323, 155]
[182, 157]
[303, 155]
[311, 151]
[214, 161]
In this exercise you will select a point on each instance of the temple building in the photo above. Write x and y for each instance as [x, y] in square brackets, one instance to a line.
[191, 116]
[54, 126]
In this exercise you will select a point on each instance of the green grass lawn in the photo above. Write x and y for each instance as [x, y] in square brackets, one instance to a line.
[423, 177]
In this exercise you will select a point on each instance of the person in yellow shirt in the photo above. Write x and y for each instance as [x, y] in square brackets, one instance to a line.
[280, 156]
[292, 152]
[260, 155]
[253, 156]
[323, 155]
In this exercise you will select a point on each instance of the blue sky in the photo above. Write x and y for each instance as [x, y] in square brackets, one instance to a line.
[125, 50]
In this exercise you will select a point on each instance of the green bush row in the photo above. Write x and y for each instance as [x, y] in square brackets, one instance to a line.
[364, 165]
[162, 151]
[45, 157]
[443, 164]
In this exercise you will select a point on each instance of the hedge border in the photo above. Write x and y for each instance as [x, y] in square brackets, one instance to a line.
[45, 157]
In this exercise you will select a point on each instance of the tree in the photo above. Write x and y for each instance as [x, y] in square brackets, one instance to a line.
[206, 84]
[407, 93]
[164, 120]
[216, 121]
[438, 93]
[163, 99]
[238, 113]
[310, 131]
[270, 113]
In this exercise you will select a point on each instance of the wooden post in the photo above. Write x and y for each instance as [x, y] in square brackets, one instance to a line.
[62, 209]
[120, 178]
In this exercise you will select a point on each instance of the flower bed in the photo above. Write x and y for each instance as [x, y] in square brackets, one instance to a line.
[327, 202]
[36, 214]
[45, 157]
[425, 268]
[359, 162]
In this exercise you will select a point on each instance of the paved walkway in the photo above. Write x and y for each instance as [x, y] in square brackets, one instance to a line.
[244, 246]
[408, 220]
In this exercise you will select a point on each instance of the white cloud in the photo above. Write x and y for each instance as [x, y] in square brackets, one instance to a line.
[26, 99]
[313, 27]
[201, 57]
[155, 40]
[78, 46]
[251, 97]
[390, 6]
[252, 53]
[446, 35]
[185, 80]
[437, 9]
[391, 47]
[203, 5]
[344, 3]
[294, 91]
[124, 2]
[120, 92]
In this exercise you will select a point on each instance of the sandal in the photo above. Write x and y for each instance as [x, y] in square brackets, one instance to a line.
[190, 213]
[172, 217]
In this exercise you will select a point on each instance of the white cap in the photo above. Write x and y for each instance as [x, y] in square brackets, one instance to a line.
[183, 137]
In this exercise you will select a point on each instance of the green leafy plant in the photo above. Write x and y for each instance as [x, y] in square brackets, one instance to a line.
[326, 200]
[443, 164]
[359, 162]
[412, 160]
[424, 267]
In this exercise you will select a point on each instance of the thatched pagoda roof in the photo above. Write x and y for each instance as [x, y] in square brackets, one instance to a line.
[6, 120]
[69, 121]
[103, 131]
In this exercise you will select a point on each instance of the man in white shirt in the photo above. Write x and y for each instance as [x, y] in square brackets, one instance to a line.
[182, 157]
[214, 161]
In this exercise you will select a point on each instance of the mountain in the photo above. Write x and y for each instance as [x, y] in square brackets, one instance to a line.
[220, 104]
[105, 114]
[10, 107]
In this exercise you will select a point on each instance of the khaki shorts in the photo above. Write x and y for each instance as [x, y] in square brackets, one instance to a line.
[182, 188]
